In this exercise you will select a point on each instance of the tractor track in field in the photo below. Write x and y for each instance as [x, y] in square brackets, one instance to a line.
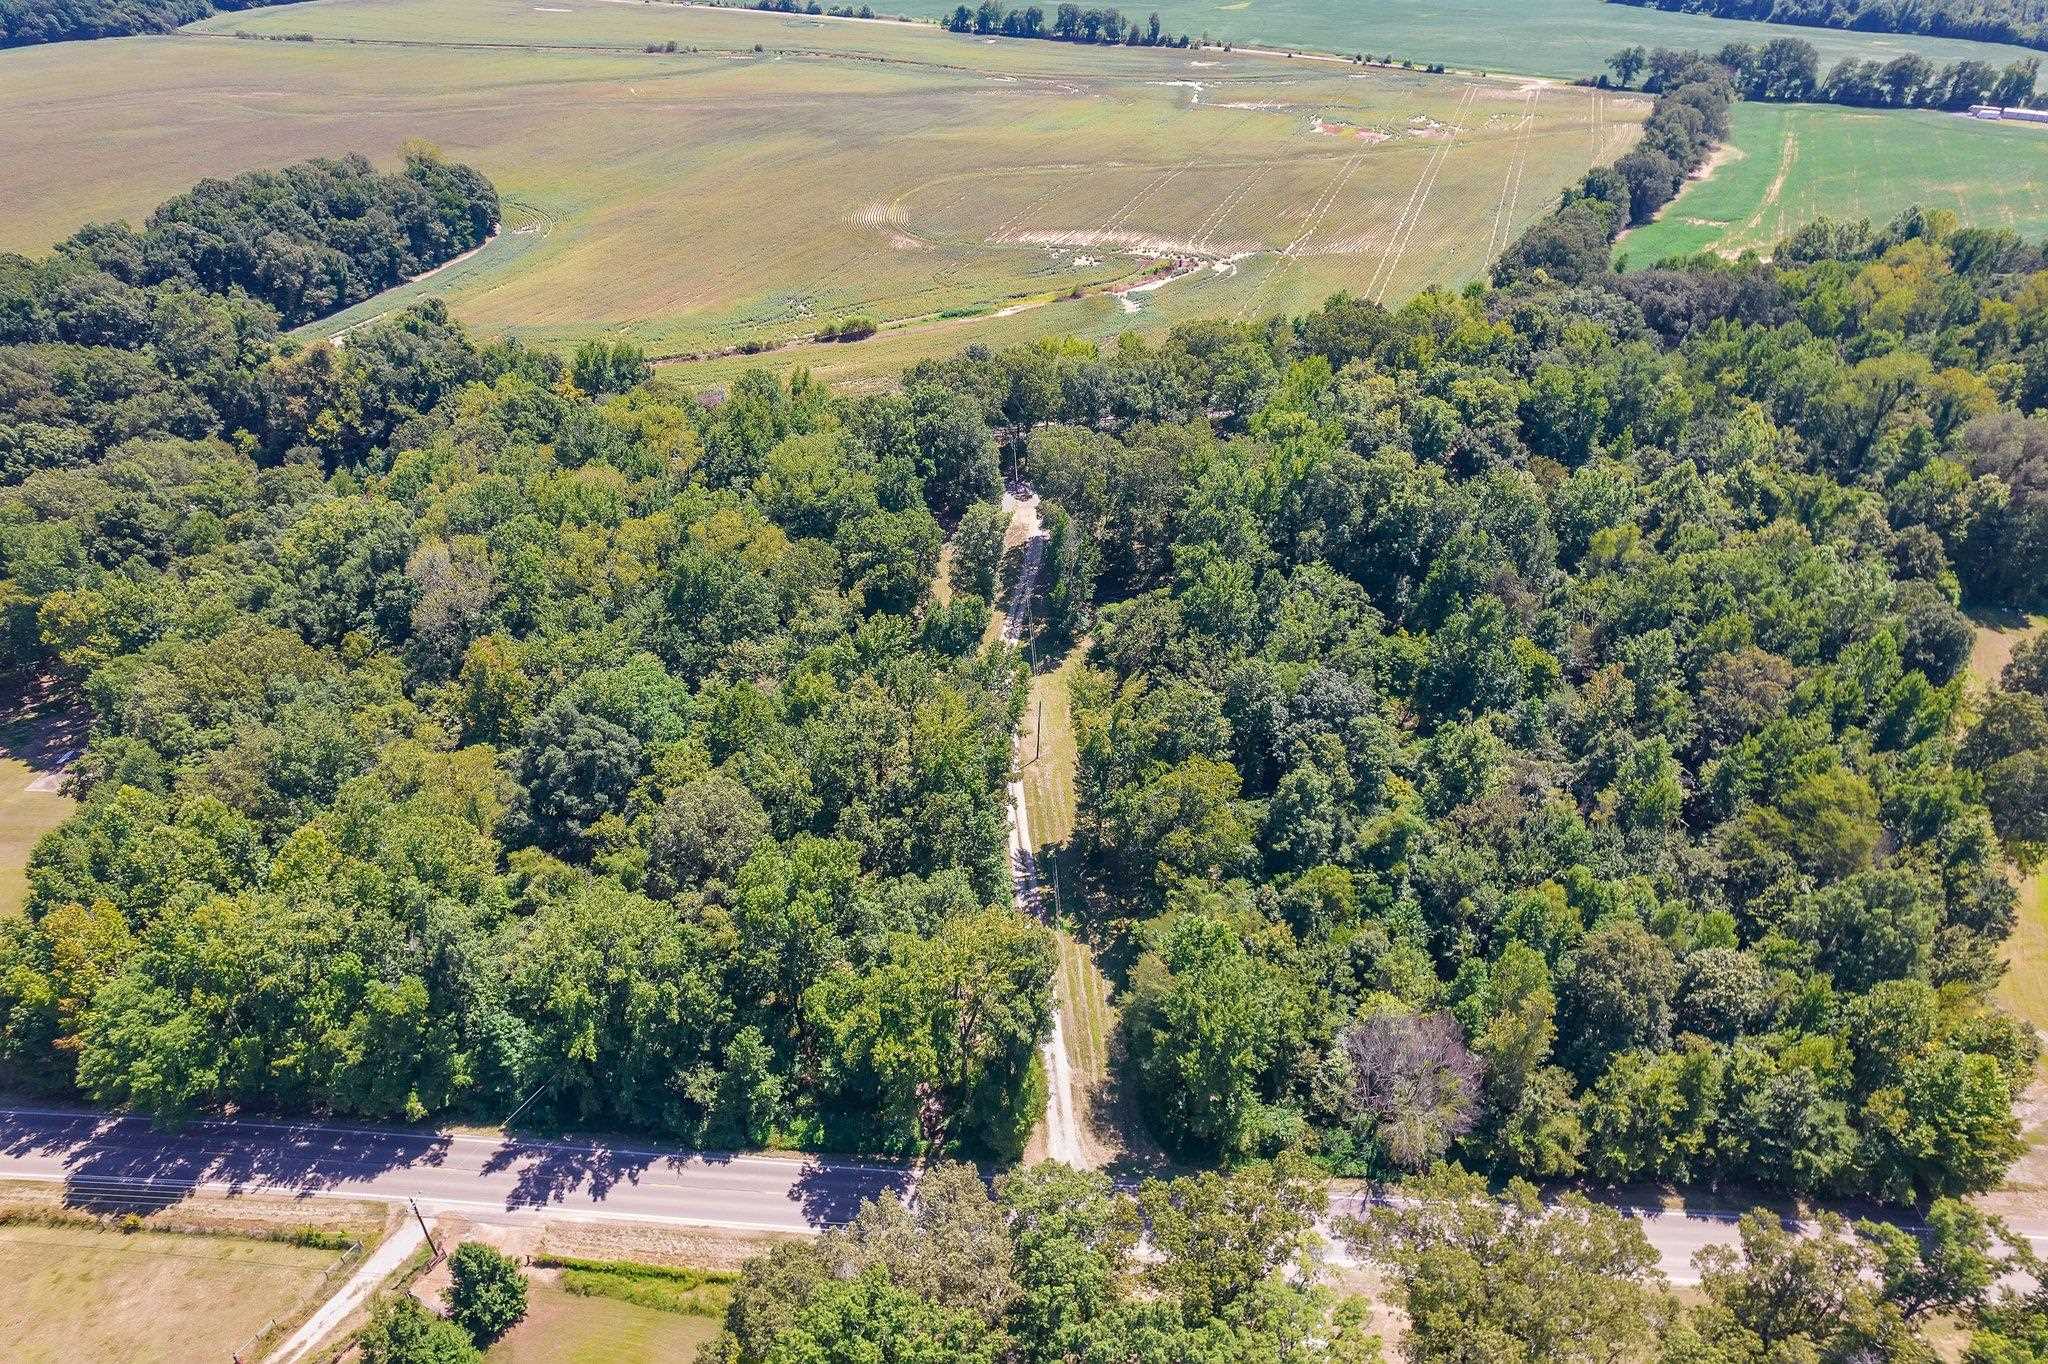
[1498, 238]
[1418, 201]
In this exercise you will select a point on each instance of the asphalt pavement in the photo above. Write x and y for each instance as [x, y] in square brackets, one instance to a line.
[121, 1160]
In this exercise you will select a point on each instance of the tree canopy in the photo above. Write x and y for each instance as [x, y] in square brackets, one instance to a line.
[54, 21]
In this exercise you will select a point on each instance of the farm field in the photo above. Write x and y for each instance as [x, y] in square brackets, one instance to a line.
[707, 198]
[1797, 162]
[1564, 38]
[77, 1293]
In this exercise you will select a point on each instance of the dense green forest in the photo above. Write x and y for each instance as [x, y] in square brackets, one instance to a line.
[1524, 726]
[1530, 727]
[173, 330]
[55, 21]
[464, 725]
[1991, 21]
[1047, 1269]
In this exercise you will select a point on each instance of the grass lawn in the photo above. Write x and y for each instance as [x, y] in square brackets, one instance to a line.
[82, 1294]
[1046, 751]
[34, 737]
[1111, 1127]
[954, 189]
[1998, 633]
[25, 816]
[1797, 162]
[566, 1328]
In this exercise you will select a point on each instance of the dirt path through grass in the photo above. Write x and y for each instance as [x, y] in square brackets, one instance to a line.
[1061, 1127]
[1787, 155]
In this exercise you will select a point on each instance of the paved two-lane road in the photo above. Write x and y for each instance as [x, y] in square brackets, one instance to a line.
[122, 1159]
[118, 1161]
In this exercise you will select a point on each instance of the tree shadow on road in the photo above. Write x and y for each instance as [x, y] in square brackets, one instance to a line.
[551, 1171]
[830, 1194]
[125, 1165]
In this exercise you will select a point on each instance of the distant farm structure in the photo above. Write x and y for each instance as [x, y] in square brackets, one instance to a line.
[1992, 113]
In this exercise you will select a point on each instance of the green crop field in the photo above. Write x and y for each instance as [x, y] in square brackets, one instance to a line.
[1793, 163]
[960, 189]
[1567, 38]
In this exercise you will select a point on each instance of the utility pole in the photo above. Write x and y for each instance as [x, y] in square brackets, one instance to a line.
[425, 1230]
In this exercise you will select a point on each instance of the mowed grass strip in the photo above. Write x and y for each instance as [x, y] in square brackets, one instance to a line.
[2024, 988]
[1048, 756]
[1050, 761]
[78, 1294]
[1794, 163]
[1087, 1017]
[562, 1327]
[953, 189]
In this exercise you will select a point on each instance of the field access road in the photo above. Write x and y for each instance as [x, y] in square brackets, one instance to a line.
[116, 1161]
[1062, 1099]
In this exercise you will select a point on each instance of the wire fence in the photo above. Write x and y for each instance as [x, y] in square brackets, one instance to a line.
[318, 1292]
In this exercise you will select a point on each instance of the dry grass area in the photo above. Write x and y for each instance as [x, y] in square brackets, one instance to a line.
[78, 1243]
[81, 1293]
[1998, 633]
[777, 172]
[2024, 989]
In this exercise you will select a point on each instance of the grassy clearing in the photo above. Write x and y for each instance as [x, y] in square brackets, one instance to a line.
[76, 1293]
[34, 737]
[1567, 38]
[562, 1327]
[1998, 633]
[2024, 989]
[717, 196]
[25, 816]
[1798, 162]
